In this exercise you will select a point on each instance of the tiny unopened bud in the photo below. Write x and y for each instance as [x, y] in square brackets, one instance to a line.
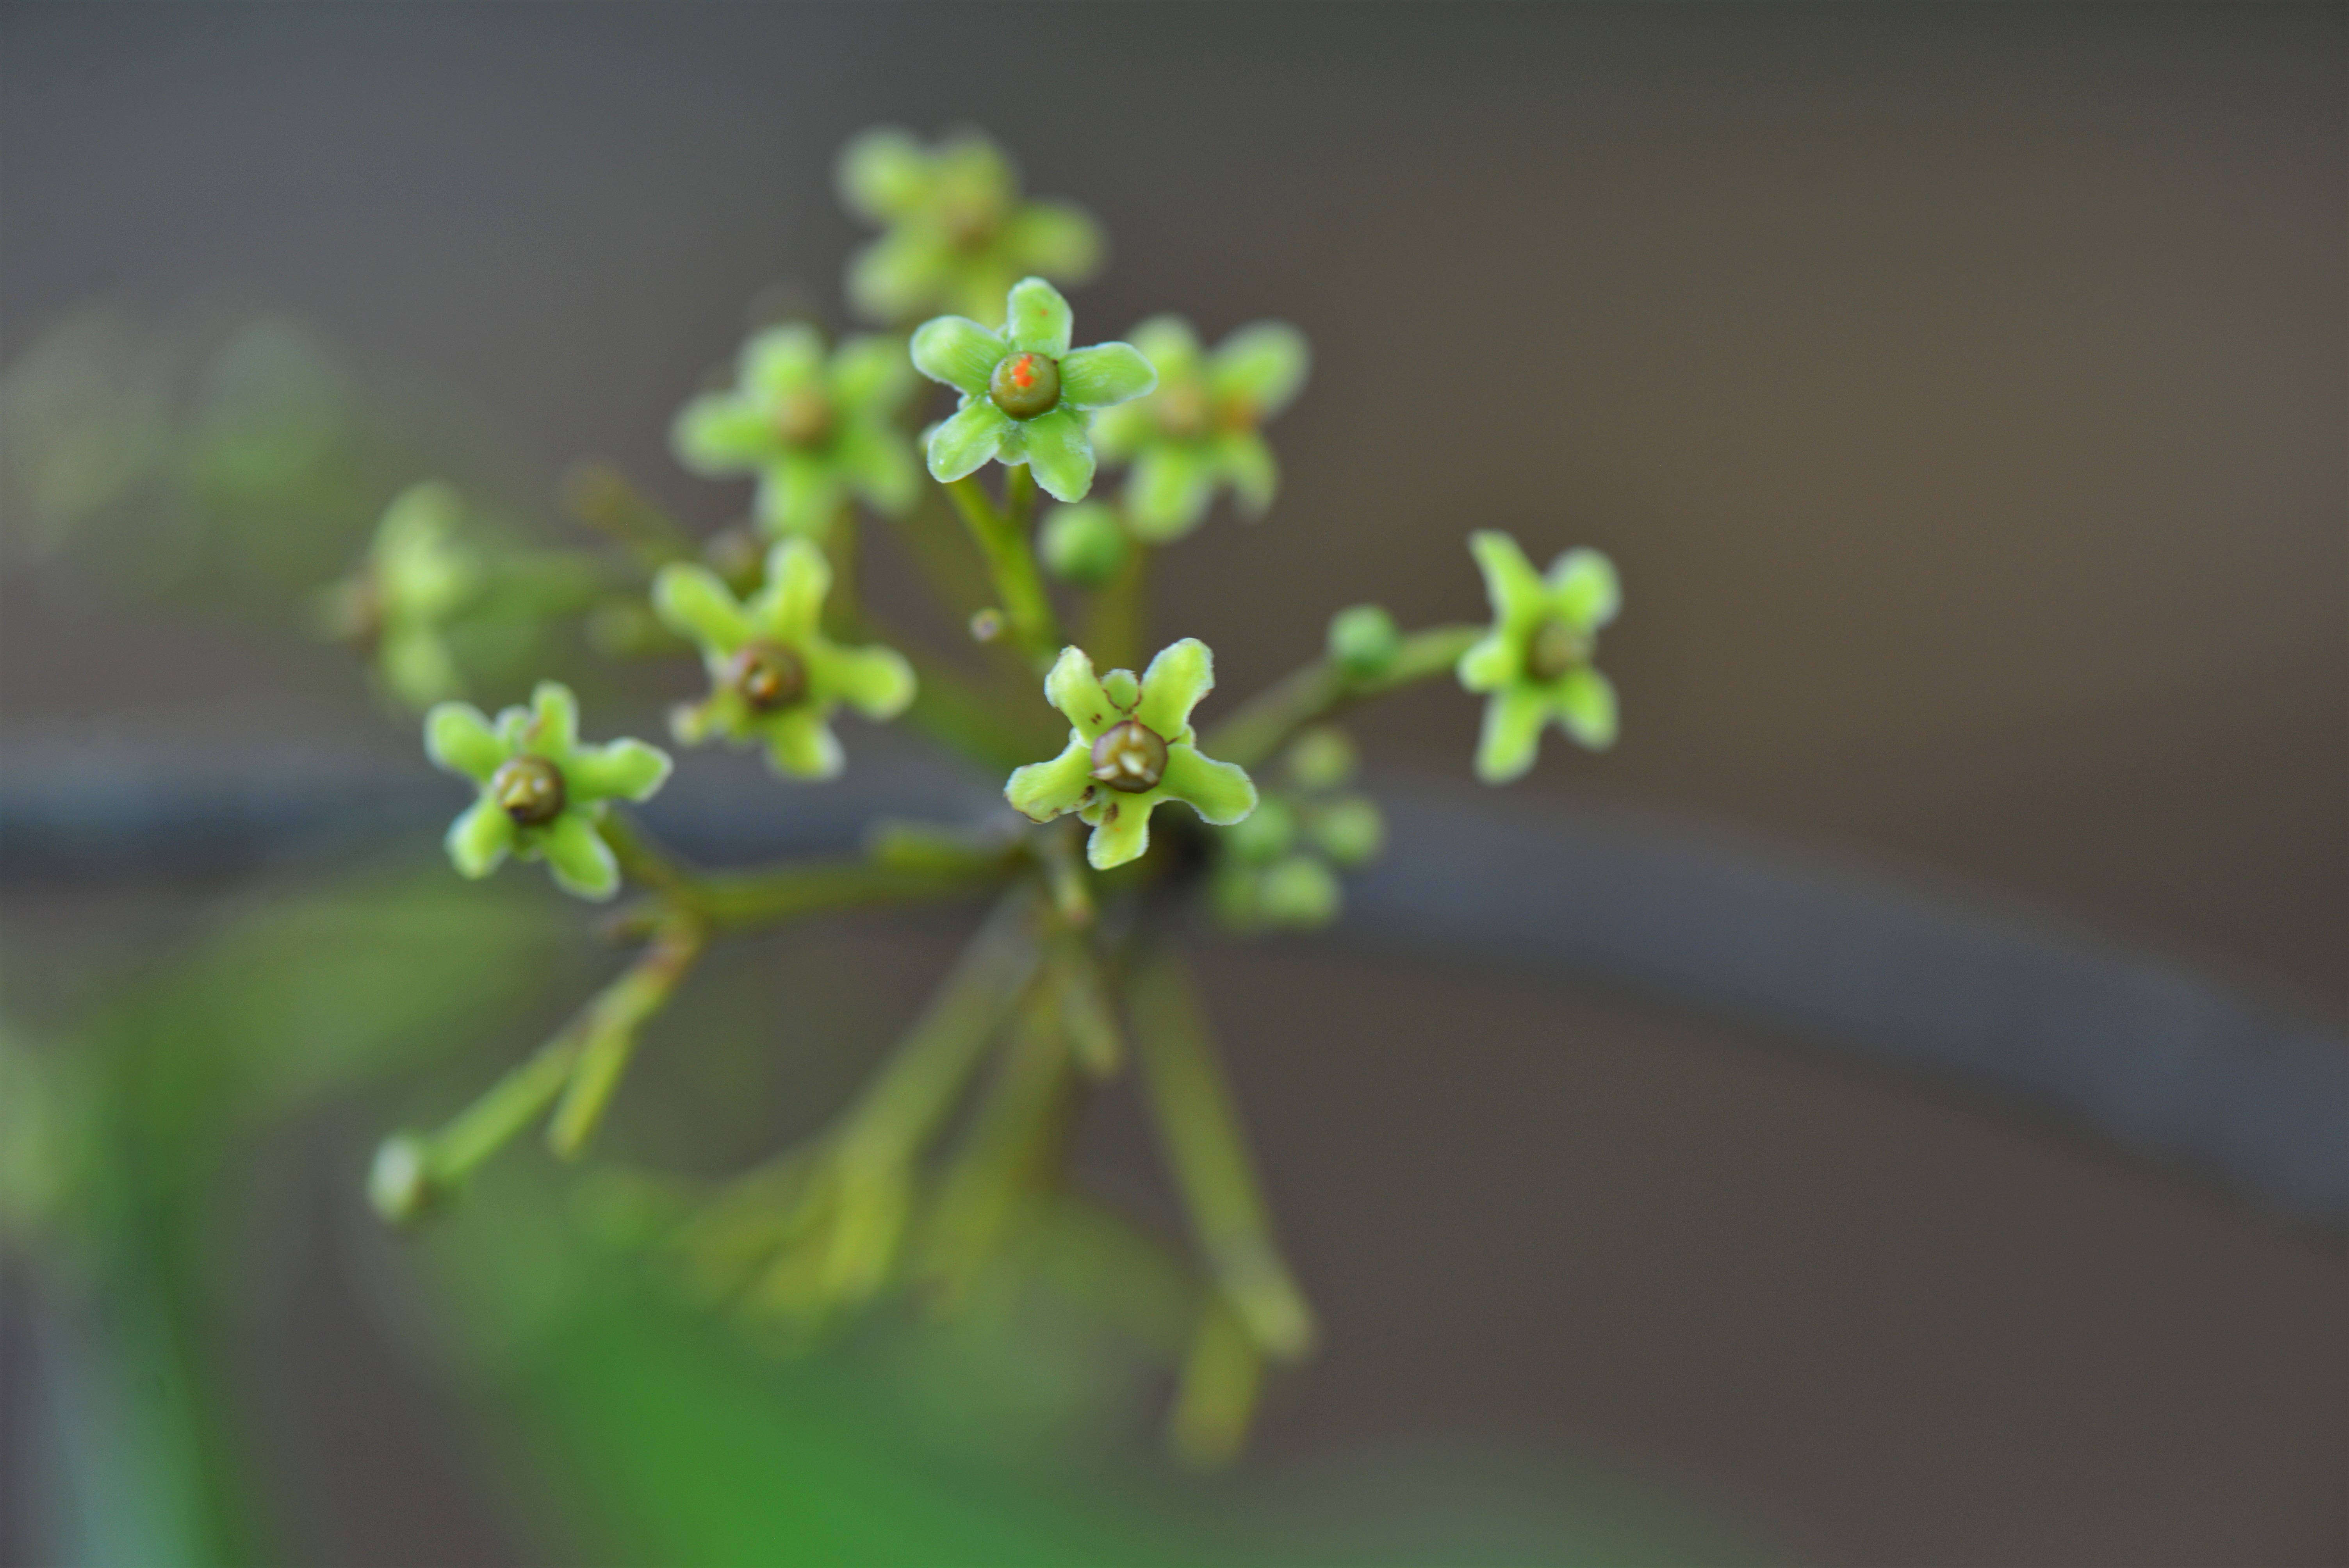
[1300, 891]
[1265, 834]
[1363, 641]
[1084, 544]
[399, 1184]
[987, 625]
[1349, 829]
[1321, 759]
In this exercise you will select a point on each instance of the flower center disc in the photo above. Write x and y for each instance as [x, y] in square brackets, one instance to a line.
[1555, 648]
[1025, 385]
[529, 789]
[803, 418]
[1129, 756]
[770, 676]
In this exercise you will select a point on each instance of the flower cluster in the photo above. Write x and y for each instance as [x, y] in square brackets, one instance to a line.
[1279, 867]
[417, 576]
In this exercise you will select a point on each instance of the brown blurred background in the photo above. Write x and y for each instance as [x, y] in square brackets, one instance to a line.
[1963, 392]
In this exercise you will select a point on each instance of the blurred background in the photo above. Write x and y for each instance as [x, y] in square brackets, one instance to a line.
[1961, 392]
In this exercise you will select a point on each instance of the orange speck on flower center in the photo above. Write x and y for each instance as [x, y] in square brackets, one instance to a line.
[1025, 384]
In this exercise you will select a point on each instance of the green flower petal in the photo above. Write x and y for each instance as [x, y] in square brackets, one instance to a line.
[799, 494]
[1168, 491]
[1177, 678]
[458, 737]
[900, 274]
[1583, 588]
[1248, 461]
[1122, 831]
[1118, 433]
[1221, 792]
[871, 375]
[417, 665]
[582, 863]
[1513, 721]
[693, 601]
[1584, 700]
[623, 769]
[554, 731]
[875, 681]
[1037, 319]
[1043, 790]
[958, 351]
[884, 174]
[1518, 596]
[1493, 663]
[1262, 366]
[1059, 453]
[479, 841]
[802, 744]
[1054, 238]
[1076, 691]
[879, 463]
[1170, 345]
[1104, 374]
[723, 433]
[721, 713]
[791, 606]
[962, 444]
[782, 360]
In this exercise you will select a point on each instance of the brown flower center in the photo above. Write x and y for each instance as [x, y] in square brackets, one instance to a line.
[529, 789]
[770, 676]
[1129, 756]
[804, 418]
[1025, 385]
[1555, 648]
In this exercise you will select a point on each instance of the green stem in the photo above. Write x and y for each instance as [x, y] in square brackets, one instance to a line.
[610, 1034]
[1199, 1130]
[1217, 1396]
[840, 605]
[1115, 619]
[1012, 565]
[733, 901]
[641, 859]
[600, 496]
[512, 1103]
[1250, 736]
[904, 1103]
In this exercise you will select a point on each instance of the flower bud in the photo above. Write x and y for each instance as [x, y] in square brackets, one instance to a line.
[1363, 641]
[1084, 544]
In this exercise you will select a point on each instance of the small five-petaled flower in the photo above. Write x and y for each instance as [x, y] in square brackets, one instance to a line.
[1200, 429]
[543, 791]
[774, 676]
[1536, 660]
[1025, 392]
[1131, 746]
[815, 430]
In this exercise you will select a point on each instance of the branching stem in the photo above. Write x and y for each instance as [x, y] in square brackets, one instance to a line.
[1250, 736]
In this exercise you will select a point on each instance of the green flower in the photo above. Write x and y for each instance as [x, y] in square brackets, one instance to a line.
[415, 578]
[541, 791]
[1130, 747]
[1199, 430]
[814, 431]
[1025, 392]
[1535, 662]
[1279, 868]
[959, 234]
[774, 676]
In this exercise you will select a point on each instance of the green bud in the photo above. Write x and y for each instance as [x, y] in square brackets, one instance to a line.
[1265, 834]
[1300, 891]
[1363, 641]
[1321, 759]
[1084, 544]
[399, 1184]
[1349, 829]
